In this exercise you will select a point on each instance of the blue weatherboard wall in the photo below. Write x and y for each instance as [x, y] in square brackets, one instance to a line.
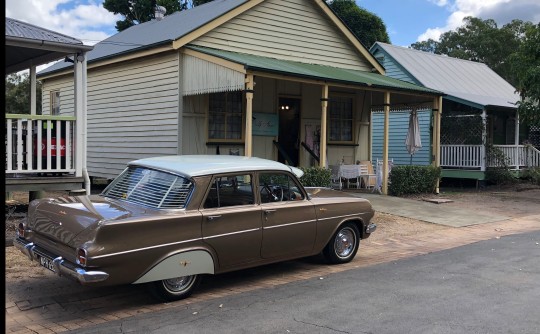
[399, 124]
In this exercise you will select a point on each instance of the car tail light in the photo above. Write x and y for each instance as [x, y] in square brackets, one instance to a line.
[20, 230]
[81, 256]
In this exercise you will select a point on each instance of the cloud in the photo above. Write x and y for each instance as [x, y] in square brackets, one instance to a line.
[85, 20]
[502, 11]
[440, 3]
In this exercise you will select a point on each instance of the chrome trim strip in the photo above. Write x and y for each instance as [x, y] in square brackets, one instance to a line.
[142, 249]
[289, 224]
[344, 216]
[232, 233]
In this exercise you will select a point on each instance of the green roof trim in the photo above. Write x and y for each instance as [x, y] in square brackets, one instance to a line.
[317, 72]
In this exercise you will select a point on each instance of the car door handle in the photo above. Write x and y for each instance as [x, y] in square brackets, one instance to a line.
[269, 211]
[213, 217]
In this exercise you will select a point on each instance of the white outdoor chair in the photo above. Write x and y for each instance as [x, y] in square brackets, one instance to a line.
[335, 178]
[368, 176]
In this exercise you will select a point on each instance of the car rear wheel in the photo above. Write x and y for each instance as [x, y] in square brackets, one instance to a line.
[174, 288]
[344, 244]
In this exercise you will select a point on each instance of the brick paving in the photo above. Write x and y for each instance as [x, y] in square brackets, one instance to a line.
[77, 307]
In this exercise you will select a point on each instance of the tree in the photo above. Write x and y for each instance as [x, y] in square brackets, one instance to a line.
[525, 63]
[140, 11]
[427, 46]
[17, 99]
[368, 27]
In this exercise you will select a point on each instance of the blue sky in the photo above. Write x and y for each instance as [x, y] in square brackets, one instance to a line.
[407, 21]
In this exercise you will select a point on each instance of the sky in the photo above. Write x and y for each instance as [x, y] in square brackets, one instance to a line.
[407, 21]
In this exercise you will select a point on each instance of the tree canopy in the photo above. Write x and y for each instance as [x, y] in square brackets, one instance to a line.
[17, 98]
[525, 63]
[512, 51]
[368, 27]
[140, 11]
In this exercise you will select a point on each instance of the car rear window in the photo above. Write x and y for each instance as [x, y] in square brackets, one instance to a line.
[152, 188]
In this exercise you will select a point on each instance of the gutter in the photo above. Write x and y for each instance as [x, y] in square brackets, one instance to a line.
[53, 46]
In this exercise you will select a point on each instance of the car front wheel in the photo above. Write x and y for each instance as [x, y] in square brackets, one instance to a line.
[344, 244]
[174, 288]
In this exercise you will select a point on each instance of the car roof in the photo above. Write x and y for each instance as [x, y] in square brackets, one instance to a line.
[199, 165]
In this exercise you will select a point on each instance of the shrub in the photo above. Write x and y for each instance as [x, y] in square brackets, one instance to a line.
[498, 171]
[413, 179]
[316, 177]
[532, 175]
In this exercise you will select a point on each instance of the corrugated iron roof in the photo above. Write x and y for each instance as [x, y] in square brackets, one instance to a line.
[313, 71]
[460, 79]
[19, 29]
[156, 32]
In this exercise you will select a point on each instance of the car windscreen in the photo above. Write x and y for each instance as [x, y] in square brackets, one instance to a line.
[151, 188]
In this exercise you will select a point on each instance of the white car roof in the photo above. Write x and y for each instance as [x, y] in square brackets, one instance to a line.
[199, 165]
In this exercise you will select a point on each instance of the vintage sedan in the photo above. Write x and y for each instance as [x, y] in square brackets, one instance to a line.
[166, 221]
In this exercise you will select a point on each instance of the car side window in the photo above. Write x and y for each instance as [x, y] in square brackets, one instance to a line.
[230, 191]
[278, 187]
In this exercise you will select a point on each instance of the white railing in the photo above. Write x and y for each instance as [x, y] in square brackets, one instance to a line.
[39, 144]
[473, 156]
[463, 156]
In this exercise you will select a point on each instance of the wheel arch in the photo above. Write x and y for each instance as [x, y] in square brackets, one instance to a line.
[182, 263]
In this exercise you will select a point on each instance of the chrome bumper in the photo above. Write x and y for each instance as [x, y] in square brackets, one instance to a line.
[371, 228]
[61, 266]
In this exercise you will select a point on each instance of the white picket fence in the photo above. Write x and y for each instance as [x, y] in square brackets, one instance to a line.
[40, 144]
[473, 156]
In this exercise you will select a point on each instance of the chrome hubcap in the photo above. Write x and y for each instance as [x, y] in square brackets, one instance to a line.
[178, 284]
[345, 242]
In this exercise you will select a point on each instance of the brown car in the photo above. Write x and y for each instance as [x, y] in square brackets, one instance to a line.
[166, 221]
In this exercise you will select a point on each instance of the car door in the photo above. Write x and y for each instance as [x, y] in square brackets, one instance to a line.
[232, 220]
[289, 222]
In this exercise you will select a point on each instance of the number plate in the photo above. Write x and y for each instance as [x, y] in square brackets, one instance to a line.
[45, 262]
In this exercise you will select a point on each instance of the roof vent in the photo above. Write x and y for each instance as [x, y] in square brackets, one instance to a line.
[160, 12]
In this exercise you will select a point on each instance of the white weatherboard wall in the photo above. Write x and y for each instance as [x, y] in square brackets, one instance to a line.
[132, 112]
[295, 30]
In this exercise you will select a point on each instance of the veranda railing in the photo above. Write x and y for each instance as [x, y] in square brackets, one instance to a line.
[473, 156]
[40, 144]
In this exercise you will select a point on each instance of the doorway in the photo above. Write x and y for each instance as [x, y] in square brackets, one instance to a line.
[289, 124]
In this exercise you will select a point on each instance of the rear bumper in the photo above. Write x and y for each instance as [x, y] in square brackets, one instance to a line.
[61, 266]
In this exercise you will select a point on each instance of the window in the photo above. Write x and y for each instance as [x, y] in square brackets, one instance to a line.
[277, 187]
[55, 102]
[340, 111]
[225, 116]
[150, 188]
[230, 191]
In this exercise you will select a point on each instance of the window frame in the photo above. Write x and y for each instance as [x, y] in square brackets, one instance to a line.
[213, 181]
[331, 120]
[227, 114]
[54, 102]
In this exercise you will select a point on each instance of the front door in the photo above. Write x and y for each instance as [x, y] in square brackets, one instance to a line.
[289, 125]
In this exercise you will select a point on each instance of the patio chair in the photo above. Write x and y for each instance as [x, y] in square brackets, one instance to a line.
[367, 174]
[335, 177]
